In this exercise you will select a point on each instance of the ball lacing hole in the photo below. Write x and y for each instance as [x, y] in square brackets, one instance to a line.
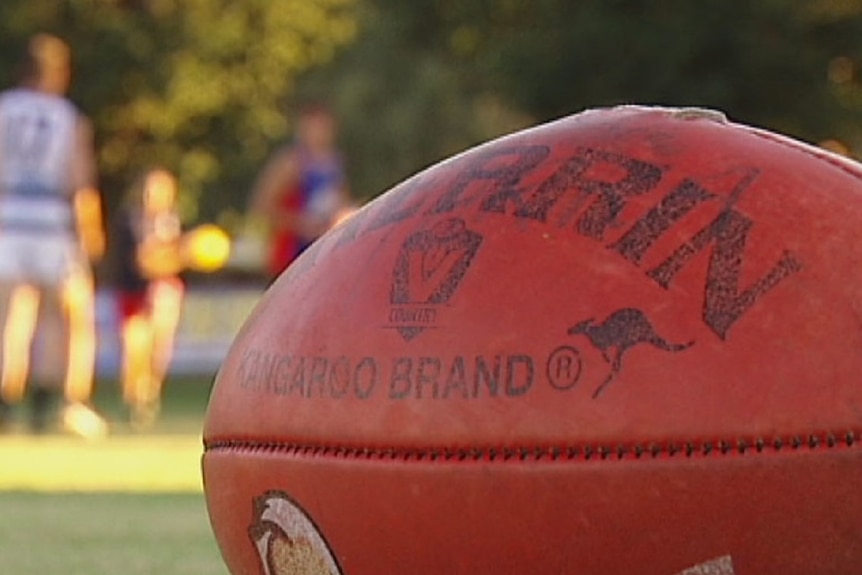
[639, 451]
[588, 452]
[850, 438]
[621, 451]
[655, 450]
[813, 441]
[724, 447]
[707, 448]
[741, 446]
[796, 442]
[831, 440]
[689, 449]
[759, 444]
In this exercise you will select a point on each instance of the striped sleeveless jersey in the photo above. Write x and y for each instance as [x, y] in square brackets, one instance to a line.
[37, 144]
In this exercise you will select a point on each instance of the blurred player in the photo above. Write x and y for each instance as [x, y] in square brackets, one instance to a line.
[48, 204]
[149, 244]
[302, 188]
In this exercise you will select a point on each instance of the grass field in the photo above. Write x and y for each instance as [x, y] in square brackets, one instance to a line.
[106, 533]
[129, 504]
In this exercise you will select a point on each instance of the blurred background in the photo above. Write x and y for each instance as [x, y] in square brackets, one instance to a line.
[209, 88]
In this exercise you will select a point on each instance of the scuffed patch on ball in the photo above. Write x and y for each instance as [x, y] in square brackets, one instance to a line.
[719, 566]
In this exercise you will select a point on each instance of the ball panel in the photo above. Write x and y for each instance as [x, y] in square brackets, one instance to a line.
[401, 321]
[651, 517]
[585, 293]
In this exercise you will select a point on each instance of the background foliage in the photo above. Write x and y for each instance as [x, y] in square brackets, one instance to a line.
[208, 87]
[194, 85]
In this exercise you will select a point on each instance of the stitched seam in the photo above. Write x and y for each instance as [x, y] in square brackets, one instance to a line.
[585, 452]
[835, 163]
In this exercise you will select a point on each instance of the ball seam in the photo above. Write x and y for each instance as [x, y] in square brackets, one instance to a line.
[585, 452]
[799, 147]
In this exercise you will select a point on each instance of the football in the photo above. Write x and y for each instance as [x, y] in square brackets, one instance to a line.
[625, 342]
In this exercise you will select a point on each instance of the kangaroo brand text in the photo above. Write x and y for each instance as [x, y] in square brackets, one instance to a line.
[401, 378]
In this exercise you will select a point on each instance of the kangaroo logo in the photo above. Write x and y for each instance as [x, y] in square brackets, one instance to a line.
[286, 539]
[428, 270]
[622, 330]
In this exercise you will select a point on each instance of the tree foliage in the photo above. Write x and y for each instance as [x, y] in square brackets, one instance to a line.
[428, 77]
[202, 86]
[197, 86]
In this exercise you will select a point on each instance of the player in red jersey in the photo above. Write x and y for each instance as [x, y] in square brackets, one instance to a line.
[302, 188]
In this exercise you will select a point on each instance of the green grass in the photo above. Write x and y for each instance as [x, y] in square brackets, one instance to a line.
[165, 458]
[128, 504]
[106, 534]
[184, 403]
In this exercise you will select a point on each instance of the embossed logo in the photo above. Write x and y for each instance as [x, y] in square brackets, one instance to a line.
[428, 270]
[287, 540]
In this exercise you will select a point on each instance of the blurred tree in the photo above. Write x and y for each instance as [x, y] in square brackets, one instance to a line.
[764, 62]
[194, 85]
[201, 85]
[405, 98]
[426, 78]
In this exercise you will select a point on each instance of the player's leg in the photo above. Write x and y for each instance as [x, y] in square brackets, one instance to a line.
[20, 304]
[137, 351]
[79, 417]
[51, 357]
[5, 295]
[80, 305]
[167, 298]
[17, 323]
[57, 264]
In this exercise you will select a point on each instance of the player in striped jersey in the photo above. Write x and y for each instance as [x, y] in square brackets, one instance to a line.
[49, 207]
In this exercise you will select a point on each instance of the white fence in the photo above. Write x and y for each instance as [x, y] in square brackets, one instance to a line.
[211, 316]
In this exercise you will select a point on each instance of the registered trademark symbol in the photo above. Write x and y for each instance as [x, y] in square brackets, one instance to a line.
[564, 367]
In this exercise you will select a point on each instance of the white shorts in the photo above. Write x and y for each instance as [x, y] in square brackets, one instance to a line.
[42, 260]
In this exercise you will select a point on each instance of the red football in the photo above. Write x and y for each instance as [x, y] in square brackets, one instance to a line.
[627, 342]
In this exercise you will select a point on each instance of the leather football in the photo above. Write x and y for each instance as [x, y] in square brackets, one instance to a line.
[625, 342]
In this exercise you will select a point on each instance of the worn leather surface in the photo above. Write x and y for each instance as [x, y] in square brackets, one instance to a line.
[624, 342]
